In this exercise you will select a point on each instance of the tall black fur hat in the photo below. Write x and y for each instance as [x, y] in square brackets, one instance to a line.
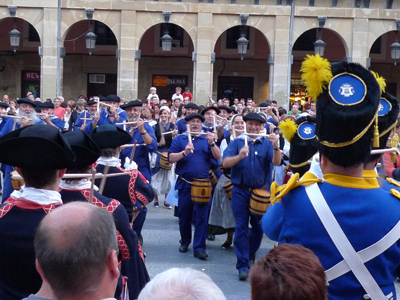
[303, 145]
[347, 108]
[387, 120]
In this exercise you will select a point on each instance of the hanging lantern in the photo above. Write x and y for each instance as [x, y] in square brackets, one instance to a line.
[90, 41]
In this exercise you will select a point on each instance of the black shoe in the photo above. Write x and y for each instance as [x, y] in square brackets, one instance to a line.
[252, 259]
[211, 237]
[201, 255]
[226, 245]
[183, 248]
[243, 275]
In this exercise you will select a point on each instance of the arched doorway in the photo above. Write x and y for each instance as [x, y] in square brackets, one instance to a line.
[91, 72]
[20, 65]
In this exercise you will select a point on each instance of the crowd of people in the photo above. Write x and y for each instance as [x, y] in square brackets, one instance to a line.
[221, 165]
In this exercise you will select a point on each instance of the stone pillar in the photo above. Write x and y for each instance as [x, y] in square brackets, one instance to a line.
[48, 68]
[359, 48]
[128, 67]
[281, 60]
[203, 68]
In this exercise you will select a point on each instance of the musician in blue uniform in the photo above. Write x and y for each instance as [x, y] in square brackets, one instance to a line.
[191, 108]
[78, 189]
[189, 167]
[3, 120]
[41, 156]
[132, 190]
[143, 134]
[251, 168]
[113, 114]
[88, 114]
[350, 223]
[48, 116]
[27, 117]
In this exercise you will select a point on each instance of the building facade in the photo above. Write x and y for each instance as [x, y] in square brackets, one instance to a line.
[128, 59]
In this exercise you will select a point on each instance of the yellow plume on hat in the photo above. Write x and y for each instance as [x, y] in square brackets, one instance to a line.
[381, 81]
[316, 74]
[288, 129]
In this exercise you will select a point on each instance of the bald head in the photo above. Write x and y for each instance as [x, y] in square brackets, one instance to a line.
[72, 246]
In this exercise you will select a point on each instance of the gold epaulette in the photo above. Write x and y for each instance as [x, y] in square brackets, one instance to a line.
[277, 192]
[392, 181]
[395, 193]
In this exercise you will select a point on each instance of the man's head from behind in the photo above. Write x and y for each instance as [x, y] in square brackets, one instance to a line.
[288, 272]
[76, 251]
[181, 284]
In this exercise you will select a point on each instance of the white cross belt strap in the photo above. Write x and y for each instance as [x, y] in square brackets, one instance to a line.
[342, 243]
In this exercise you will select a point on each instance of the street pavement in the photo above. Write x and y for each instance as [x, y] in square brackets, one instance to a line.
[161, 243]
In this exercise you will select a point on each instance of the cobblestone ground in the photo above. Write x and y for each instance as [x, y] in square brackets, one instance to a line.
[161, 243]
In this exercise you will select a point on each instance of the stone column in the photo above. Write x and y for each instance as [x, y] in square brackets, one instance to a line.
[203, 68]
[128, 67]
[48, 68]
[279, 74]
[359, 48]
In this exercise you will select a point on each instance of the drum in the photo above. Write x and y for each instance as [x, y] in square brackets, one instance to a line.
[228, 189]
[259, 202]
[213, 178]
[201, 190]
[16, 183]
[164, 163]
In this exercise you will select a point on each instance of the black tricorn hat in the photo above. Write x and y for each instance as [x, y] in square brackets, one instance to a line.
[132, 104]
[387, 119]
[26, 100]
[85, 149]
[303, 145]
[195, 115]
[211, 107]
[110, 136]
[46, 105]
[346, 117]
[37, 146]
[254, 116]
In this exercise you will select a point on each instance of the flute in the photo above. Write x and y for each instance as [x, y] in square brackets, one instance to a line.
[14, 117]
[258, 134]
[102, 103]
[131, 145]
[167, 132]
[128, 123]
[198, 133]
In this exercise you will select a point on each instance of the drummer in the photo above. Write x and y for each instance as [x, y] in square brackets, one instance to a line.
[88, 114]
[191, 108]
[190, 166]
[49, 117]
[163, 177]
[251, 168]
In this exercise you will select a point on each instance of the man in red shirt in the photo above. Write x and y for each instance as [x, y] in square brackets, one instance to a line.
[58, 110]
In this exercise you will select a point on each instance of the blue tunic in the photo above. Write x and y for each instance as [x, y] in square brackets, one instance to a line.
[365, 213]
[79, 122]
[105, 119]
[255, 170]
[181, 126]
[141, 157]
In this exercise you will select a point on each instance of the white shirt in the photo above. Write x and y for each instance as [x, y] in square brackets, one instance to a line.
[40, 196]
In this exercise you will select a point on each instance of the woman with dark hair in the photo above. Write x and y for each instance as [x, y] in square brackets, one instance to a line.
[181, 112]
[156, 112]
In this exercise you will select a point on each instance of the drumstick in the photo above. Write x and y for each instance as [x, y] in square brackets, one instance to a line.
[245, 137]
[167, 132]
[258, 134]
[189, 135]
[215, 126]
[199, 133]
[133, 152]
[131, 145]
[124, 122]
[15, 123]
[104, 179]
[98, 104]
[380, 151]
[128, 123]
[92, 185]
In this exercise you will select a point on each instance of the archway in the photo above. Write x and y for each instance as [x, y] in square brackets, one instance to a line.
[241, 78]
[90, 72]
[161, 69]
[19, 66]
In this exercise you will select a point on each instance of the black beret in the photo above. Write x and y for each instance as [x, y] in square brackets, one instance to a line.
[254, 116]
[189, 117]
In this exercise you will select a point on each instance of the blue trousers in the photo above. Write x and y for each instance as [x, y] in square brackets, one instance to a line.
[138, 223]
[188, 211]
[245, 243]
